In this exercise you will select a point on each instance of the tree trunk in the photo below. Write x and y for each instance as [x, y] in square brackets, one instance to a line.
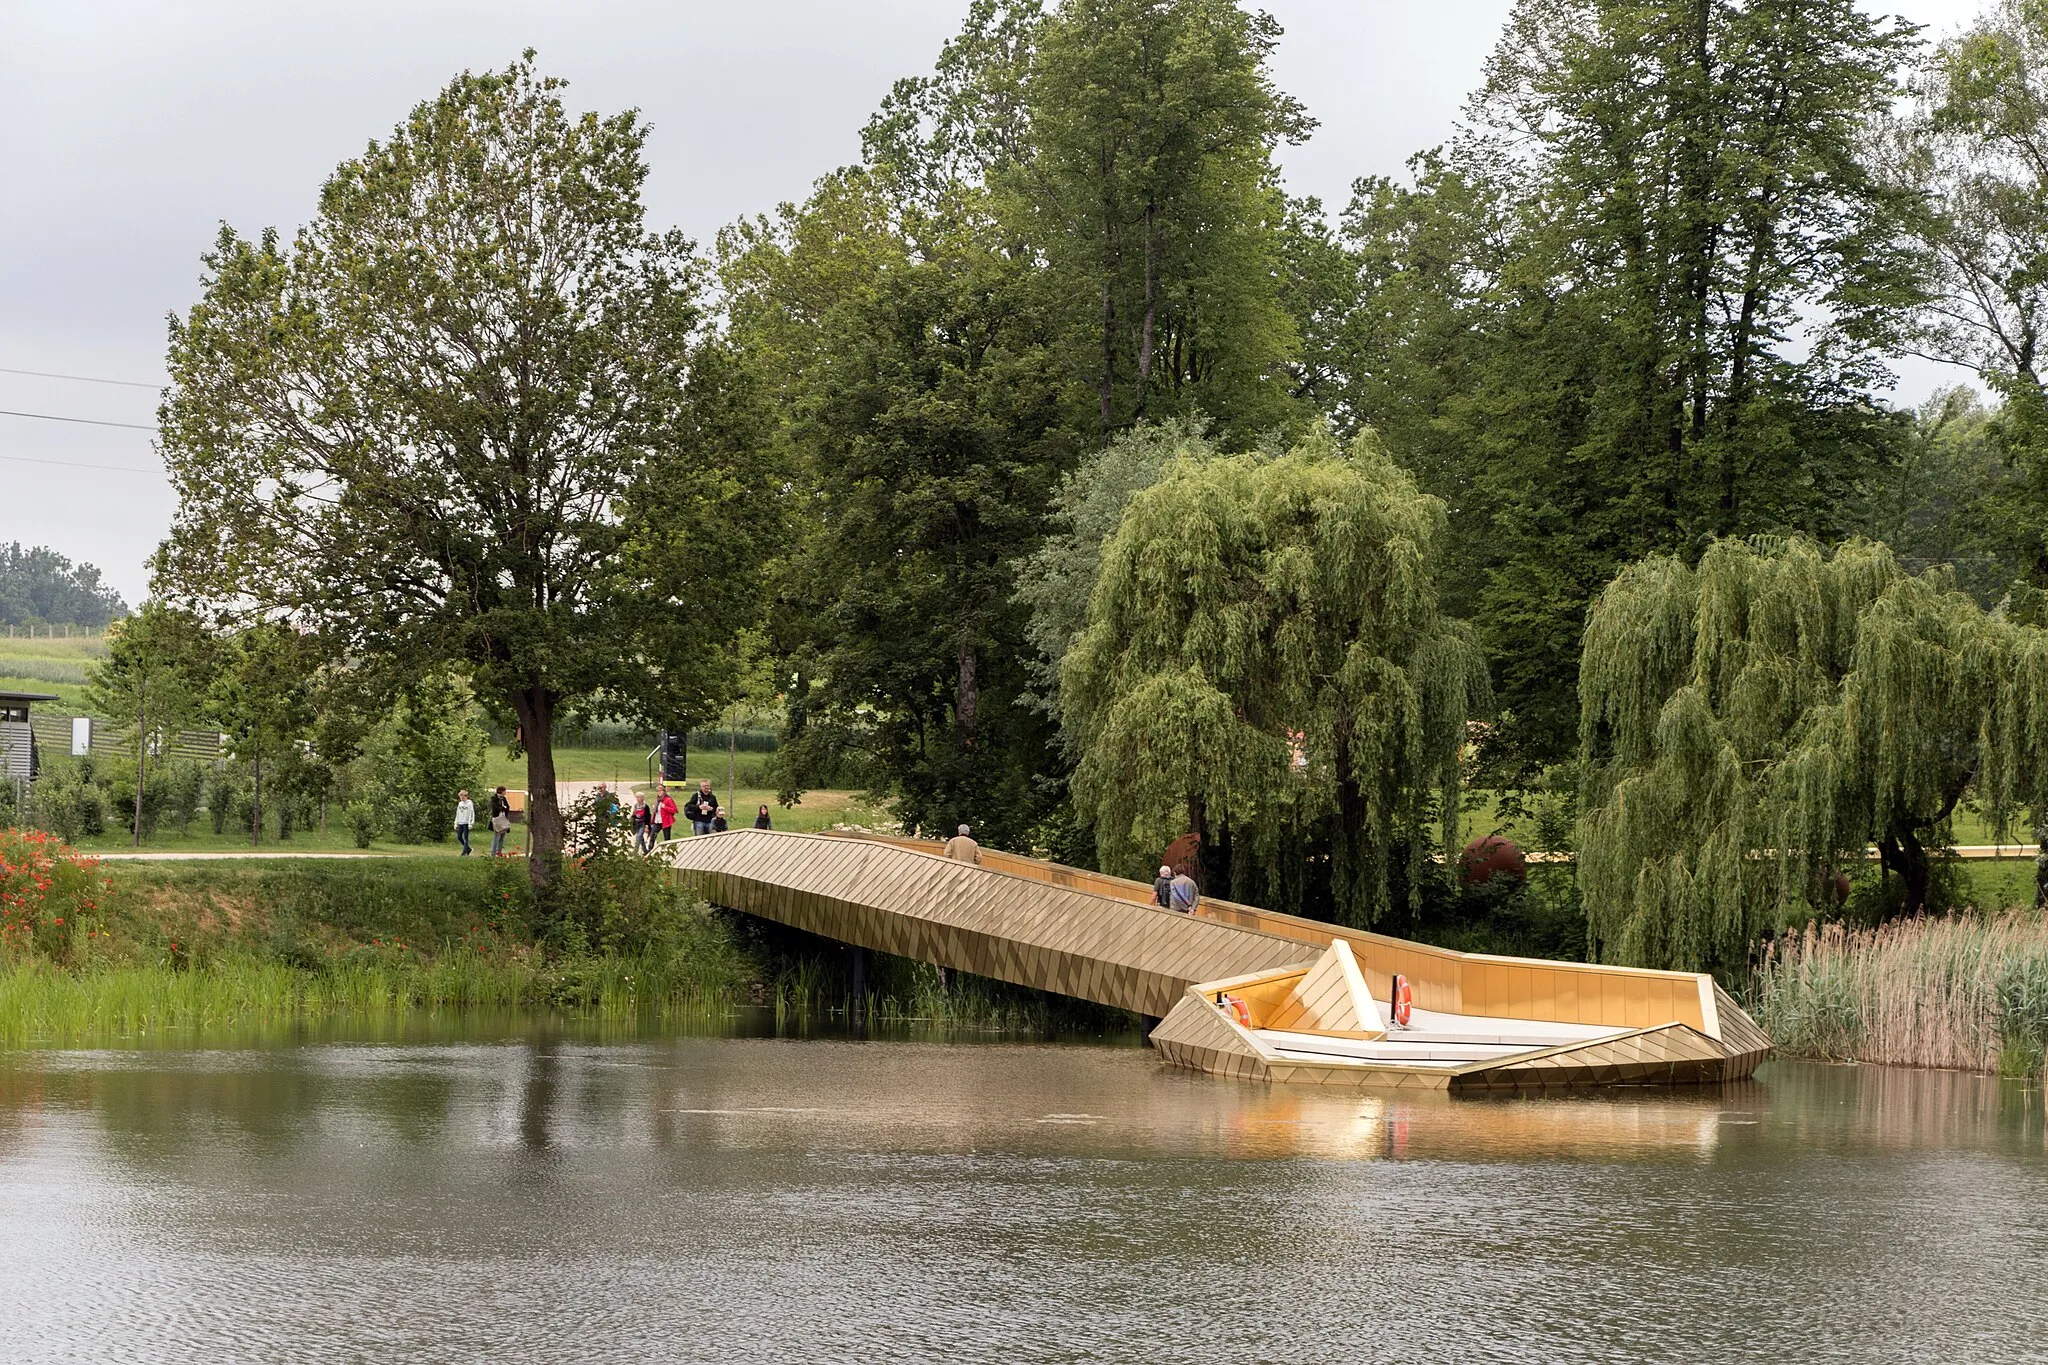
[535, 707]
[1106, 387]
[1151, 311]
[1902, 853]
[141, 760]
[256, 800]
[966, 697]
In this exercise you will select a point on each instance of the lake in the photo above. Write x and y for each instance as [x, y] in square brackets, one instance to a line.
[513, 1193]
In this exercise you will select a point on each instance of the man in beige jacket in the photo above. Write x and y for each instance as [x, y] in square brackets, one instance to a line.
[962, 849]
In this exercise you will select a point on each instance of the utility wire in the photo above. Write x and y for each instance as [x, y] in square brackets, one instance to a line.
[80, 464]
[84, 379]
[82, 421]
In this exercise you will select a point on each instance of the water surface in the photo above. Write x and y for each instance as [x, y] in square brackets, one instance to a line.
[529, 1196]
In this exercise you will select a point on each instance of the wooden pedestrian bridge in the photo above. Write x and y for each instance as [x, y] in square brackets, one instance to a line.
[1237, 990]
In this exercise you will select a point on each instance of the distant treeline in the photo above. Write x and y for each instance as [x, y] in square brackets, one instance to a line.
[40, 587]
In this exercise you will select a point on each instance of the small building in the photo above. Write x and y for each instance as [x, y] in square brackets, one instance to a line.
[18, 759]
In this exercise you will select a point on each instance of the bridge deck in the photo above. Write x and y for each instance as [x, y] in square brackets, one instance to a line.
[880, 895]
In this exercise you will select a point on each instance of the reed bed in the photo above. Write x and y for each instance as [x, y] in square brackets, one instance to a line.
[1961, 991]
[40, 1003]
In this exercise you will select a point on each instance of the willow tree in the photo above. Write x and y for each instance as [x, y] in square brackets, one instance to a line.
[461, 420]
[1751, 726]
[1264, 664]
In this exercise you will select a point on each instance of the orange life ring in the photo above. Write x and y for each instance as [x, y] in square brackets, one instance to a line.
[1404, 1001]
[1238, 1009]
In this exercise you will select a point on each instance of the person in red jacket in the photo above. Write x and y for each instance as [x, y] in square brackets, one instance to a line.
[665, 811]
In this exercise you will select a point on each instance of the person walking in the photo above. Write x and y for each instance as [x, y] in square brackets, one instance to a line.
[762, 821]
[961, 848]
[465, 816]
[643, 825]
[501, 821]
[701, 808]
[1185, 894]
[665, 814]
[1162, 888]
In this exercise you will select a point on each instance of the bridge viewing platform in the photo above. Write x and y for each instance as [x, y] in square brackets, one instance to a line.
[1240, 991]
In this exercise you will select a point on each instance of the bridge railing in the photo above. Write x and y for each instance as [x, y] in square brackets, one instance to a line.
[1441, 978]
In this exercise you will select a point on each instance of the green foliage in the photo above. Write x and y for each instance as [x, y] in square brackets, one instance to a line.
[1264, 663]
[1970, 146]
[1058, 580]
[1639, 303]
[418, 757]
[41, 587]
[47, 895]
[911, 354]
[66, 799]
[1750, 727]
[153, 680]
[364, 820]
[1127, 145]
[507, 492]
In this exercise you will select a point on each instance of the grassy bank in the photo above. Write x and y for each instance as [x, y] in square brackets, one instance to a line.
[1963, 991]
[149, 948]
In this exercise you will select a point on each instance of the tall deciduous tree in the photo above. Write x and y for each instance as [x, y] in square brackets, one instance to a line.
[1265, 664]
[153, 679]
[438, 425]
[1751, 726]
[1129, 143]
[911, 347]
[1972, 146]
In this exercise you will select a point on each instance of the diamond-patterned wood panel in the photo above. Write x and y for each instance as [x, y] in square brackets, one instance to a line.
[974, 919]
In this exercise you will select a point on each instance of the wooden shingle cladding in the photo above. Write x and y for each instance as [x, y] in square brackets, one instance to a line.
[1101, 939]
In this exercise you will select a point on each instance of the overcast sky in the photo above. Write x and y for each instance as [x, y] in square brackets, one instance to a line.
[128, 132]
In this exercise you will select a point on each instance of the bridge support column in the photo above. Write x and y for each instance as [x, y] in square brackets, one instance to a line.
[857, 1011]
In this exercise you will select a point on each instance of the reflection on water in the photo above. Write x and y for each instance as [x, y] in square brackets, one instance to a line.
[525, 1195]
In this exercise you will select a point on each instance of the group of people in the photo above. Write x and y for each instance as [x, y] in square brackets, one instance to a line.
[500, 818]
[652, 820]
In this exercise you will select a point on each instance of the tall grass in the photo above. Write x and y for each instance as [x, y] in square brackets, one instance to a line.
[41, 1003]
[1961, 991]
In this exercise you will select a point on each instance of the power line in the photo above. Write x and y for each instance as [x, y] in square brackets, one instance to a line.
[85, 379]
[82, 421]
[80, 464]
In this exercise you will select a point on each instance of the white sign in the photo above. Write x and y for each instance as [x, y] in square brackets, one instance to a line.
[81, 736]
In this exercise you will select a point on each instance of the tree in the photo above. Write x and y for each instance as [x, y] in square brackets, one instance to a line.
[1058, 580]
[1641, 301]
[1951, 496]
[438, 427]
[910, 348]
[1970, 147]
[1129, 143]
[1265, 665]
[153, 679]
[41, 587]
[260, 697]
[1752, 726]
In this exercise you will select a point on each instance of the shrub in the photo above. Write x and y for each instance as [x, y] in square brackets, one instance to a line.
[363, 822]
[46, 888]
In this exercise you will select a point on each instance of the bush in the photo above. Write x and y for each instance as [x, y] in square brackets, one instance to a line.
[46, 888]
[65, 800]
[227, 796]
[184, 787]
[363, 821]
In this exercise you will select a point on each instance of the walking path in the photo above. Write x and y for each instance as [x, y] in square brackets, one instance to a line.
[132, 856]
